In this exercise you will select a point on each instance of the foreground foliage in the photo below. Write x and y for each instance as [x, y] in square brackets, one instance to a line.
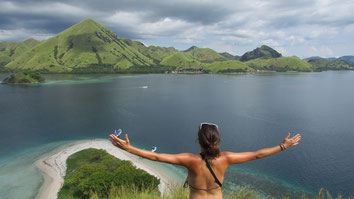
[178, 192]
[93, 170]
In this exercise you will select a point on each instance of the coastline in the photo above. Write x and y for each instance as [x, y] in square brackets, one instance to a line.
[53, 166]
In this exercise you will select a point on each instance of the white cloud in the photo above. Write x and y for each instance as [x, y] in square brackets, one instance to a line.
[221, 47]
[14, 35]
[49, 9]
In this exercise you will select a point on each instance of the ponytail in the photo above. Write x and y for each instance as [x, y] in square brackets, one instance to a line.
[209, 140]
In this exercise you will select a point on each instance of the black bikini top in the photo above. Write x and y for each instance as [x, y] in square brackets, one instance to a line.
[211, 171]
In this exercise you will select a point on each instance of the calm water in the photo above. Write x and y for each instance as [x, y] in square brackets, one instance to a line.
[253, 111]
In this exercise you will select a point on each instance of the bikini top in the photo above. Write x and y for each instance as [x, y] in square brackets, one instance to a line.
[212, 173]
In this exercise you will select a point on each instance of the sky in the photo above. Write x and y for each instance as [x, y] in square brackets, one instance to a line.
[300, 28]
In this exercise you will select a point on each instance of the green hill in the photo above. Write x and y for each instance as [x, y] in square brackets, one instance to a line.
[349, 59]
[90, 47]
[181, 61]
[205, 55]
[280, 64]
[231, 66]
[11, 50]
[264, 51]
[322, 64]
[156, 53]
[229, 56]
[88, 44]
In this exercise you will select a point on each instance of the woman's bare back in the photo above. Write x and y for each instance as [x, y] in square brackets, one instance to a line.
[201, 182]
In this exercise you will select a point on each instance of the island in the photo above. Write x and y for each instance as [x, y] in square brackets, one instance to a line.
[26, 77]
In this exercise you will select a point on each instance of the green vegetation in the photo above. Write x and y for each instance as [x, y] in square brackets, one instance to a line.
[27, 77]
[155, 53]
[90, 47]
[205, 55]
[349, 59]
[264, 52]
[321, 64]
[229, 56]
[179, 192]
[181, 61]
[95, 171]
[11, 50]
[80, 46]
[280, 64]
[233, 66]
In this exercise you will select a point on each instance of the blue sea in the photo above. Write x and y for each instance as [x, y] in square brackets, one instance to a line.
[253, 111]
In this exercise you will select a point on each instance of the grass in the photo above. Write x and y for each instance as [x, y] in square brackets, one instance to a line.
[181, 61]
[205, 55]
[227, 67]
[90, 47]
[280, 64]
[321, 64]
[81, 45]
[11, 50]
[178, 192]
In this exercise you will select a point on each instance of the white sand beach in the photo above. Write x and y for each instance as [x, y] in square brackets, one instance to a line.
[53, 167]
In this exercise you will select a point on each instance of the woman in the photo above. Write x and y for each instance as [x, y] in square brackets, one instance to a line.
[206, 171]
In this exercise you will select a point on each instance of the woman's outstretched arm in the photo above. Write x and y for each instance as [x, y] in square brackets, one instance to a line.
[236, 158]
[182, 159]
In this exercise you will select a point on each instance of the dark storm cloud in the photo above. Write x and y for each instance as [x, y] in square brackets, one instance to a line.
[205, 14]
[218, 24]
[53, 16]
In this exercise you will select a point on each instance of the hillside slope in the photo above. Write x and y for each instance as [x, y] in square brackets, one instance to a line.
[322, 64]
[87, 44]
[181, 61]
[156, 53]
[90, 47]
[205, 55]
[231, 66]
[11, 50]
[264, 52]
[280, 64]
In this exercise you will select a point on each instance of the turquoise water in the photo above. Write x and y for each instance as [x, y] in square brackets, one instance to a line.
[253, 111]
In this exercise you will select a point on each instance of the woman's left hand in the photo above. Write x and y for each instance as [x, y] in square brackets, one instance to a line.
[289, 142]
[122, 144]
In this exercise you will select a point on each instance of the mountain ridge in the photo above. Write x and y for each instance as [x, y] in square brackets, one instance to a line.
[90, 47]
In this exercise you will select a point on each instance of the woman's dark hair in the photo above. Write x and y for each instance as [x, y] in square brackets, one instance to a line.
[209, 140]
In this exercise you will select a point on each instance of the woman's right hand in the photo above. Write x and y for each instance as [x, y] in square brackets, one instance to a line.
[122, 144]
[289, 142]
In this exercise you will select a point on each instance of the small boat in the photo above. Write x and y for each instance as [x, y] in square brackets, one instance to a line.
[154, 148]
[118, 132]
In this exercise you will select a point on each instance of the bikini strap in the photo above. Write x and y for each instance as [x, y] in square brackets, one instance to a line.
[211, 170]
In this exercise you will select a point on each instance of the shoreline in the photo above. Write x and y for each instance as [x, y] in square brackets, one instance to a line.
[53, 166]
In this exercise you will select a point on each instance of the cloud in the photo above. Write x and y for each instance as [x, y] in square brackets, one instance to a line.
[22, 34]
[293, 27]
